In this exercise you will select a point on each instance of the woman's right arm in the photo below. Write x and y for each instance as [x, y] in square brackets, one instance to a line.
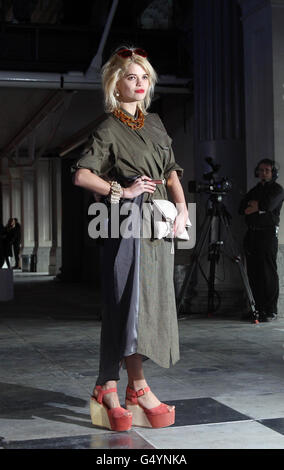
[88, 180]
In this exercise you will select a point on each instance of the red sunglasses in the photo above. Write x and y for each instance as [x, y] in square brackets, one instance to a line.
[125, 53]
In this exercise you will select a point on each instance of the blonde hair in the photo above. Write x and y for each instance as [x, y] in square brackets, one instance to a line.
[114, 69]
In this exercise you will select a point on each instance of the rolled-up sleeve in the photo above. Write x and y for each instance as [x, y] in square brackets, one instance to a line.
[172, 166]
[98, 155]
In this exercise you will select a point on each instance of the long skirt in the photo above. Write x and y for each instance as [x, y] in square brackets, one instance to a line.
[139, 308]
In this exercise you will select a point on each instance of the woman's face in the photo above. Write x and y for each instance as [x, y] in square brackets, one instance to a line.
[133, 86]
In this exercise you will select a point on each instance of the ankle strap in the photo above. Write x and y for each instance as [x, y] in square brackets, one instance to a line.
[103, 392]
[131, 393]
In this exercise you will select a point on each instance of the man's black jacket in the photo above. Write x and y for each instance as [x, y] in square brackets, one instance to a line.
[270, 196]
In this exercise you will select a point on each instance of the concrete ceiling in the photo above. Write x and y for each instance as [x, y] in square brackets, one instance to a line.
[36, 122]
[19, 109]
[42, 120]
[16, 107]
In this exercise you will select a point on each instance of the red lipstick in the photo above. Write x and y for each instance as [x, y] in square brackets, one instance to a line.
[140, 91]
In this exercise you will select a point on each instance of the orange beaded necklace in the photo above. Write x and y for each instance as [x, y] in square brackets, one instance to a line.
[130, 121]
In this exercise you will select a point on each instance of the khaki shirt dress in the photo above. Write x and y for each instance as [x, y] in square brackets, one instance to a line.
[120, 153]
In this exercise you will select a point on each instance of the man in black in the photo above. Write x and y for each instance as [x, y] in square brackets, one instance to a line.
[261, 207]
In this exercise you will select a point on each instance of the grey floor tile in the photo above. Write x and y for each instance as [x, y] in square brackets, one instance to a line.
[277, 424]
[109, 440]
[235, 435]
[203, 411]
[256, 405]
[227, 387]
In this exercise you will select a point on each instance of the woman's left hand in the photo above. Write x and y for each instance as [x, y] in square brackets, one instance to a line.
[179, 224]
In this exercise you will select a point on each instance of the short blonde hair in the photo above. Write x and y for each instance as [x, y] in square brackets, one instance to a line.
[114, 69]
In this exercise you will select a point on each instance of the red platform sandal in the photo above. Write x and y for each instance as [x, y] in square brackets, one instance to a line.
[116, 419]
[158, 417]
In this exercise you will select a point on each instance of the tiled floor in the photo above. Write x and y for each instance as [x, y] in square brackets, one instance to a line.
[228, 387]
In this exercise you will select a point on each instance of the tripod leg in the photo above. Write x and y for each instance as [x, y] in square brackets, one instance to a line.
[214, 255]
[248, 289]
[211, 287]
[196, 253]
[238, 260]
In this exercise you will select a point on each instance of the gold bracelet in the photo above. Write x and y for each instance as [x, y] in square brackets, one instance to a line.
[116, 192]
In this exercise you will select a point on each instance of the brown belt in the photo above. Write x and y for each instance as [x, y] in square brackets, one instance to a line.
[158, 181]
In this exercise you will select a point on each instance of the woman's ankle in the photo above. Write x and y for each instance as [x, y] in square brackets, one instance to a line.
[137, 384]
[109, 384]
[111, 399]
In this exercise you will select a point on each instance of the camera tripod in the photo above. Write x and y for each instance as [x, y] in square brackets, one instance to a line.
[217, 217]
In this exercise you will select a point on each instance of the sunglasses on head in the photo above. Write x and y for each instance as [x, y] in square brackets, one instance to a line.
[125, 53]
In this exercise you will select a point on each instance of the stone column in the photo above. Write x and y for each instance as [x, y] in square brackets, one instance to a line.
[263, 22]
[28, 213]
[5, 190]
[219, 129]
[257, 33]
[16, 192]
[278, 128]
[55, 252]
[6, 198]
[43, 212]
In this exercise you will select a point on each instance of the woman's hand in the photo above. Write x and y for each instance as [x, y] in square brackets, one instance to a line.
[177, 196]
[180, 222]
[140, 185]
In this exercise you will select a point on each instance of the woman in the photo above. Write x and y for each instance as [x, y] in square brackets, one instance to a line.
[129, 149]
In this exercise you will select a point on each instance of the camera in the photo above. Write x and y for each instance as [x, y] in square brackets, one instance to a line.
[213, 186]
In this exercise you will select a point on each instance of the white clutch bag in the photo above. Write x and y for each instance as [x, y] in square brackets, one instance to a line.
[167, 211]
